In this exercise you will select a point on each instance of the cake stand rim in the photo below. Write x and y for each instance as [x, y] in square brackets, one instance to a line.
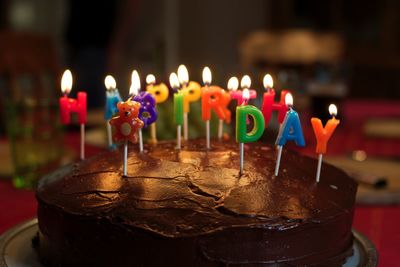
[370, 252]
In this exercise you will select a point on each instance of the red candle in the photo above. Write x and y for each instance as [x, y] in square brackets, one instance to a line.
[70, 105]
[269, 105]
[245, 83]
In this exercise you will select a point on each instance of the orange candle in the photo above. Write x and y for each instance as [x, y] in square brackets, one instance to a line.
[323, 134]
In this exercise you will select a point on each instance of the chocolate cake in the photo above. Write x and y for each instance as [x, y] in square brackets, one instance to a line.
[191, 208]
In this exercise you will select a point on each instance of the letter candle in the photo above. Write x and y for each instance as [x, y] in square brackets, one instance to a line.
[226, 98]
[290, 130]
[191, 93]
[178, 107]
[242, 112]
[133, 92]
[245, 83]
[323, 134]
[70, 105]
[212, 98]
[112, 99]
[269, 105]
[160, 93]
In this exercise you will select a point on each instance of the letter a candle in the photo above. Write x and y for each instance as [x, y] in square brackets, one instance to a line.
[178, 107]
[70, 105]
[323, 134]
[242, 112]
[290, 131]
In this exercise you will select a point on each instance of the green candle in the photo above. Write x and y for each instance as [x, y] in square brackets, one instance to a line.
[178, 107]
[241, 127]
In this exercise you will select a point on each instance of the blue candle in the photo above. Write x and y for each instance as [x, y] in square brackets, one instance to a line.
[290, 131]
[112, 99]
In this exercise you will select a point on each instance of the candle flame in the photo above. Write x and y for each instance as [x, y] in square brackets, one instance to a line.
[66, 82]
[207, 76]
[135, 83]
[150, 79]
[289, 99]
[183, 75]
[233, 84]
[246, 94]
[110, 82]
[174, 81]
[245, 82]
[332, 110]
[268, 81]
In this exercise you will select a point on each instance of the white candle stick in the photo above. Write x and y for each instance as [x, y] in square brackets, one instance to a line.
[82, 141]
[125, 158]
[278, 160]
[208, 134]
[109, 134]
[241, 149]
[140, 141]
[319, 168]
[185, 127]
[178, 136]
[220, 129]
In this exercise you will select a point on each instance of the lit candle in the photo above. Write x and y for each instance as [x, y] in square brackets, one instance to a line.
[191, 92]
[178, 107]
[323, 134]
[160, 93]
[212, 98]
[133, 92]
[112, 99]
[226, 98]
[126, 125]
[242, 136]
[269, 105]
[70, 105]
[245, 83]
[290, 130]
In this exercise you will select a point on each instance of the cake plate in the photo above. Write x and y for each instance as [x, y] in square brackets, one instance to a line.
[16, 248]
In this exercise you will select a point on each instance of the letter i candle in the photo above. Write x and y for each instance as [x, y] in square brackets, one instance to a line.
[70, 105]
[323, 134]
[242, 112]
[178, 107]
[290, 131]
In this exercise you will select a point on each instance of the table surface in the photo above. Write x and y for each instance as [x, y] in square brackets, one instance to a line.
[379, 223]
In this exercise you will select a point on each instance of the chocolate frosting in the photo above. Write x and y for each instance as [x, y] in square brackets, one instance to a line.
[197, 197]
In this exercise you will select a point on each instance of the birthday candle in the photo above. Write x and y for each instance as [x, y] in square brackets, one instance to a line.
[290, 131]
[242, 112]
[245, 83]
[191, 93]
[133, 92]
[112, 99]
[160, 93]
[323, 134]
[269, 105]
[70, 105]
[212, 98]
[126, 125]
[178, 107]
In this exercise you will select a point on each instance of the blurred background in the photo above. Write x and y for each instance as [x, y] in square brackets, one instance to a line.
[342, 52]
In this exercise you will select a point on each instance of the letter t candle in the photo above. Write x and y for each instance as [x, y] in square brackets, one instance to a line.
[70, 105]
[323, 134]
